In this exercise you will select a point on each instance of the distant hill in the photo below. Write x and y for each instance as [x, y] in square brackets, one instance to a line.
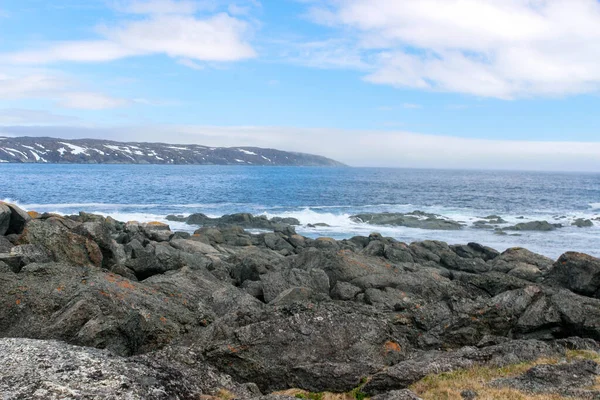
[95, 151]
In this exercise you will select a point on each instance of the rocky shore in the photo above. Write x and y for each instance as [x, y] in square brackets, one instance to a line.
[96, 308]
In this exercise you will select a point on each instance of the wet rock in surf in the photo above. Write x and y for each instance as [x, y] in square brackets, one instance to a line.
[415, 219]
[541, 226]
[583, 223]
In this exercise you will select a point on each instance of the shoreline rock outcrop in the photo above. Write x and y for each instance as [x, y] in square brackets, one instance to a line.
[225, 309]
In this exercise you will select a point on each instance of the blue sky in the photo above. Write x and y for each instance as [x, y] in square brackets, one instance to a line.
[339, 73]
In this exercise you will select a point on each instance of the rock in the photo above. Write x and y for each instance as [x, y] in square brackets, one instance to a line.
[474, 251]
[274, 283]
[326, 243]
[405, 373]
[415, 219]
[344, 291]
[298, 295]
[318, 225]
[562, 379]
[37, 369]
[582, 223]
[469, 394]
[193, 247]
[88, 306]
[18, 219]
[4, 219]
[55, 236]
[523, 264]
[443, 255]
[243, 220]
[403, 394]
[275, 242]
[99, 230]
[542, 226]
[334, 346]
[577, 272]
[5, 245]
[31, 253]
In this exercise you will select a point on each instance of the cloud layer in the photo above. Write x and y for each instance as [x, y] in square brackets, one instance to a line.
[491, 48]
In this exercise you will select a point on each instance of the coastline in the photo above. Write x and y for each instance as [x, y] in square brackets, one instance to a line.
[219, 308]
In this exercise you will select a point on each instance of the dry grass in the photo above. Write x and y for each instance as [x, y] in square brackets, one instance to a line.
[448, 386]
[303, 394]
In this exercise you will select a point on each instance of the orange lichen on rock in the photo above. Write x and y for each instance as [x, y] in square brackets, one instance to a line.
[34, 214]
[391, 347]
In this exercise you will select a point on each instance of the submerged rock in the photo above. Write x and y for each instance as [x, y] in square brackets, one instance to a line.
[582, 223]
[542, 226]
[415, 219]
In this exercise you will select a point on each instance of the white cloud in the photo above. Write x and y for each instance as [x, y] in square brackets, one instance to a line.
[186, 62]
[491, 48]
[28, 84]
[33, 117]
[178, 34]
[412, 106]
[162, 6]
[90, 101]
[55, 86]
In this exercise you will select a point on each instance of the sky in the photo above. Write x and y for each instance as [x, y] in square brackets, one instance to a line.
[506, 84]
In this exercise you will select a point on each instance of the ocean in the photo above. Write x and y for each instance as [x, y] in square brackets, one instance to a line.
[323, 195]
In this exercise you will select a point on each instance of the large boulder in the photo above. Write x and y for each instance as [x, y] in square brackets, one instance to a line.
[18, 218]
[577, 272]
[87, 306]
[522, 263]
[316, 347]
[55, 235]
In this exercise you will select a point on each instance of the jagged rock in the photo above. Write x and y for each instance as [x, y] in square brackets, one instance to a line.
[334, 346]
[577, 272]
[55, 235]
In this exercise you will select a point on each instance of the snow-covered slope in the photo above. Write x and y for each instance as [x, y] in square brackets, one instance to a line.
[94, 151]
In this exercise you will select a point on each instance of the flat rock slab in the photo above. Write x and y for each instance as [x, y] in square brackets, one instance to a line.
[38, 369]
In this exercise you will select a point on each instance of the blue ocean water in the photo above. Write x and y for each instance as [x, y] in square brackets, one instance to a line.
[329, 195]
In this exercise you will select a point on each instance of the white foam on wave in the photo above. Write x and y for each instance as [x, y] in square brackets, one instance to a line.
[308, 216]
[595, 206]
